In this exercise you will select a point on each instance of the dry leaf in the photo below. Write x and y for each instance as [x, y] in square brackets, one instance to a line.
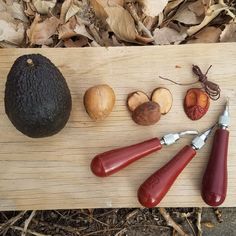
[197, 7]
[81, 30]
[7, 17]
[229, 33]
[165, 36]
[211, 13]
[149, 21]
[95, 33]
[160, 19]
[72, 11]
[7, 45]
[45, 46]
[71, 8]
[81, 42]
[3, 6]
[106, 39]
[94, 44]
[77, 18]
[64, 9]
[99, 5]
[66, 31]
[17, 11]
[116, 42]
[30, 10]
[172, 5]
[48, 42]
[40, 32]
[208, 3]
[75, 8]
[153, 7]
[207, 35]
[13, 33]
[187, 17]
[121, 23]
[44, 6]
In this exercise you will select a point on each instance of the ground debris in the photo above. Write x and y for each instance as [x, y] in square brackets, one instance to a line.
[33, 23]
[113, 222]
[218, 214]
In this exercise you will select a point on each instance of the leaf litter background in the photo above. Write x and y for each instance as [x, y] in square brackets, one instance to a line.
[96, 23]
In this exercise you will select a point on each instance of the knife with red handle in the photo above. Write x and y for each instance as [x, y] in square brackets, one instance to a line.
[110, 162]
[214, 182]
[158, 184]
[153, 190]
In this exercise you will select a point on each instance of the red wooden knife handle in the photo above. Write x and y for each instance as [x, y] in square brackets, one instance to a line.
[157, 185]
[110, 162]
[214, 183]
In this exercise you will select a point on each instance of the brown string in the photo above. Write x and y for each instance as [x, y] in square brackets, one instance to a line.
[172, 81]
[212, 89]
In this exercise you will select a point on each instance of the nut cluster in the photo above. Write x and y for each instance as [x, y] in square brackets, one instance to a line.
[147, 111]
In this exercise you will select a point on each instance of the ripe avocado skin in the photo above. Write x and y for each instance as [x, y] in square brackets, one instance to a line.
[37, 98]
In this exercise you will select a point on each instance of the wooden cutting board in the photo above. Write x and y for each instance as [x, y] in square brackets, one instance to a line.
[54, 172]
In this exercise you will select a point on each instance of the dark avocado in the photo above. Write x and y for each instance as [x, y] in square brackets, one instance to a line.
[37, 98]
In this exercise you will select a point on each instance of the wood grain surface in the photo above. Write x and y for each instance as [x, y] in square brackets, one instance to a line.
[54, 172]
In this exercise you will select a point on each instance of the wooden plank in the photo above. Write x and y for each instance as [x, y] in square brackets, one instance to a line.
[54, 172]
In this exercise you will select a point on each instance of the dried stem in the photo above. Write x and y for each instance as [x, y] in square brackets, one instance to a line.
[199, 218]
[96, 35]
[131, 214]
[10, 222]
[121, 232]
[174, 233]
[94, 44]
[93, 218]
[102, 231]
[140, 226]
[65, 228]
[27, 222]
[29, 231]
[132, 10]
[171, 222]
[218, 214]
[142, 39]
[30, 61]
[190, 224]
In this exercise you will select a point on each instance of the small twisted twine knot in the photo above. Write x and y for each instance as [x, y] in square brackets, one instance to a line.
[212, 89]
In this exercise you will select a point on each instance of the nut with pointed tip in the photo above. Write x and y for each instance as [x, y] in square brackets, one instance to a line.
[99, 101]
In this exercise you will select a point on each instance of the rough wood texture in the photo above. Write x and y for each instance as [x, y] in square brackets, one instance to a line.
[54, 172]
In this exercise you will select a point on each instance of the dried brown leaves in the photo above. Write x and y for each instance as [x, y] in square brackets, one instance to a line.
[229, 33]
[121, 23]
[79, 23]
[208, 34]
[11, 33]
[40, 32]
[165, 36]
[153, 7]
[44, 7]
